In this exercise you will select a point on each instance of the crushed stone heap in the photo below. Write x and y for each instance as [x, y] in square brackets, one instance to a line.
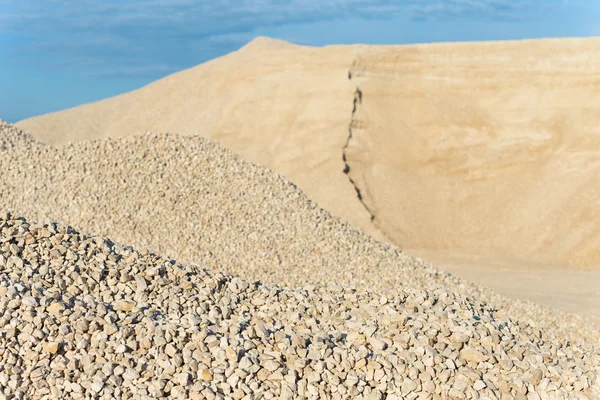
[195, 201]
[339, 315]
[12, 138]
[83, 317]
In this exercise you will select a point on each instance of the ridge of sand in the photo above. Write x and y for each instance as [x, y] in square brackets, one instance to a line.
[488, 149]
[265, 43]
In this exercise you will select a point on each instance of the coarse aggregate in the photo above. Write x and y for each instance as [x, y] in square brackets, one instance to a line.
[273, 296]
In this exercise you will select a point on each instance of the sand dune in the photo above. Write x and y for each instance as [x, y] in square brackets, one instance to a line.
[485, 149]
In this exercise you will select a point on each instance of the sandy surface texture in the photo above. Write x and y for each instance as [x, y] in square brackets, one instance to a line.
[491, 150]
[576, 291]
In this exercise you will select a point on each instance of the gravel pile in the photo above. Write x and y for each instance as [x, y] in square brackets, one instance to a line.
[82, 317]
[12, 138]
[339, 315]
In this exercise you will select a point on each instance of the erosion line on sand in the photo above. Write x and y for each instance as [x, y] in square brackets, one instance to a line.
[357, 100]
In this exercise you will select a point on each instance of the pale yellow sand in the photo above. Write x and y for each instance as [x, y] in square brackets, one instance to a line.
[486, 149]
[576, 291]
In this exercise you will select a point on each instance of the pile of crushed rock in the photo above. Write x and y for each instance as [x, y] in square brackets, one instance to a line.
[82, 317]
[339, 315]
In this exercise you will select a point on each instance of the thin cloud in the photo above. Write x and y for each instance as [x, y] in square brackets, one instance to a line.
[503, 10]
[139, 34]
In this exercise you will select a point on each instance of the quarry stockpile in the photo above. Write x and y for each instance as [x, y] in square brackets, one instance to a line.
[83, 317]
[276, 298]
[195, 201]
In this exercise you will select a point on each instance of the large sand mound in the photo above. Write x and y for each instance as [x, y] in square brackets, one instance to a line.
[479, 149]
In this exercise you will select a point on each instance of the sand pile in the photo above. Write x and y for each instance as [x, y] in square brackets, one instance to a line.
[83, 317]
[195, 201]
[485, 149]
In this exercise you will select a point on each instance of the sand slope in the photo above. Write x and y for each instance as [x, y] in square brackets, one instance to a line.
[487, 149]
[484, 149]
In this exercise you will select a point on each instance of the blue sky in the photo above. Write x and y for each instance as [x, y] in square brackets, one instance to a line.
[59, 54]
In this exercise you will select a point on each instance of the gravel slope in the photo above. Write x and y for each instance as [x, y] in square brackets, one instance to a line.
[84, 317]
[341, 315]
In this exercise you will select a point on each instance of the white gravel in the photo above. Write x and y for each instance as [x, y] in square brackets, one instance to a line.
[339, 315]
